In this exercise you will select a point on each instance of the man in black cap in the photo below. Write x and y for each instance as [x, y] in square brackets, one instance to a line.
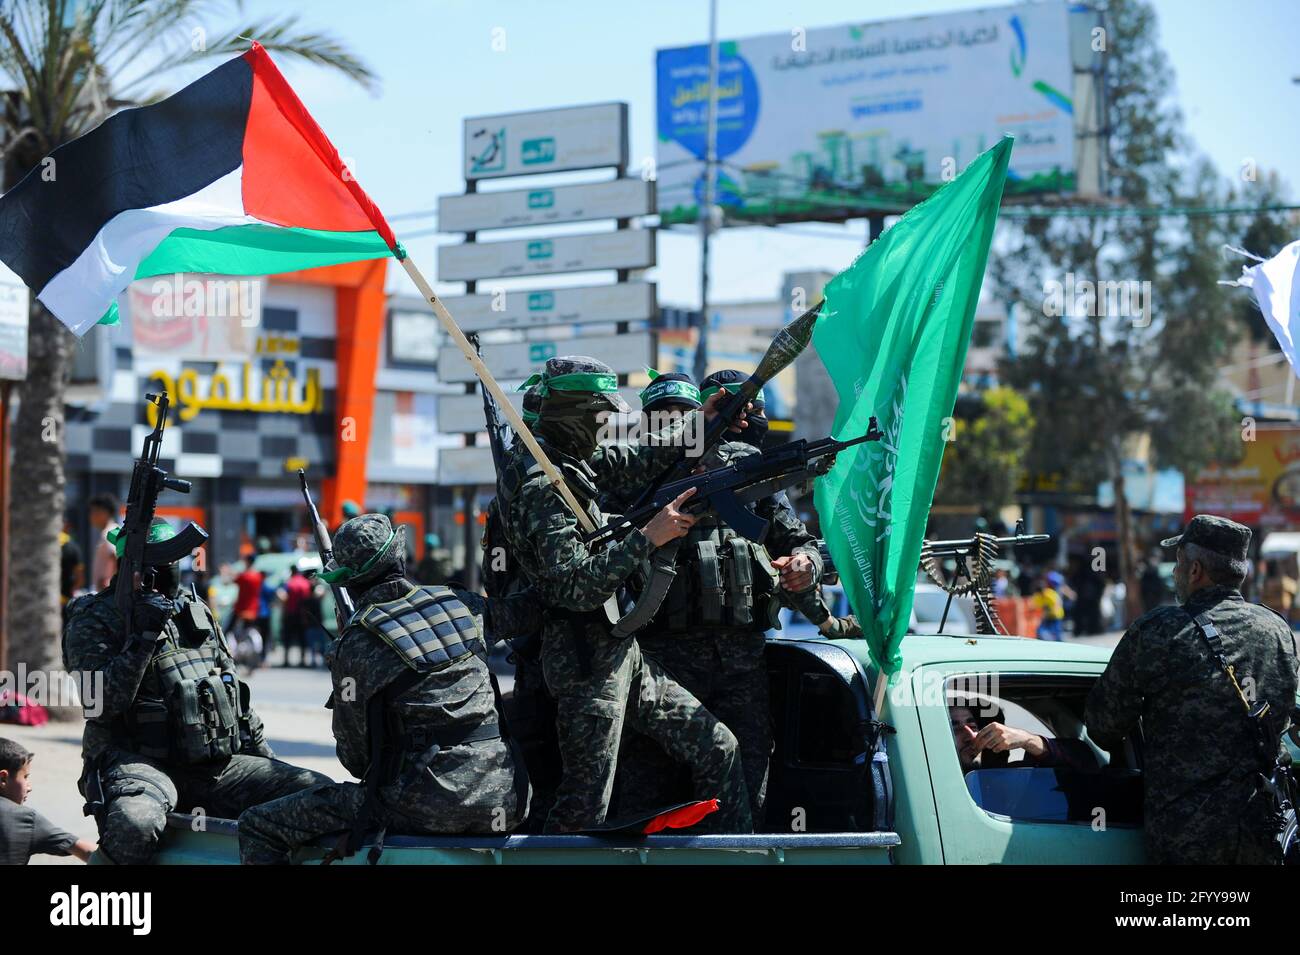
[1213, 681]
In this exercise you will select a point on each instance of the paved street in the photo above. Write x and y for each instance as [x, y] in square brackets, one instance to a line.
[289, 701]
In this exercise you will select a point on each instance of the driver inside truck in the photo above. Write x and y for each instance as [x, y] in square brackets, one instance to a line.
[987, 743]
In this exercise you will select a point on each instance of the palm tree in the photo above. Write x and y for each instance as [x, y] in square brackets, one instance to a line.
[67, 65]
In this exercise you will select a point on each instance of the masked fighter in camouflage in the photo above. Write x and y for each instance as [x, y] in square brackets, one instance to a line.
[601, 683]
[710, 631]
[171, 727]
[414, 713]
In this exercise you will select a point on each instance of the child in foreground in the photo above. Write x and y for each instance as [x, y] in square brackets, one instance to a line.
[23, 831]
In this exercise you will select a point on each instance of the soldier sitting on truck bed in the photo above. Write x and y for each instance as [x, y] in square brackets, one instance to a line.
[172, 728]
[415, 714]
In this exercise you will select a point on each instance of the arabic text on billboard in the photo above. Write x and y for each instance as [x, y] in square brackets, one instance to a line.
[872, 114]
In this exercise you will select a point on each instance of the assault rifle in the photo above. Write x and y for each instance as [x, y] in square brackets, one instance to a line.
[343, 606]
[729, 488]
[141, 556]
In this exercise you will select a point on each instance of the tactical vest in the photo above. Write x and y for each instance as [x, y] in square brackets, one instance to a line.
[723, 580]
[428, 627]
[190, 709]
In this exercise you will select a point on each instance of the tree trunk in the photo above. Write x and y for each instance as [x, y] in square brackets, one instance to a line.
[37, 498]
[1127, 562]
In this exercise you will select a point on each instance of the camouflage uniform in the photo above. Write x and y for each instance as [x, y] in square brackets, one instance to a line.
[1200, 754]
[722, 662]
[414, 657]
[133, 773]
[599, 683]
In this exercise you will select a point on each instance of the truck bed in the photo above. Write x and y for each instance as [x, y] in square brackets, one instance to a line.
[218, 844]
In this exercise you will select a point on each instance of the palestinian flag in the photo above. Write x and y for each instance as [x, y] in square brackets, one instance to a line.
[231, 175]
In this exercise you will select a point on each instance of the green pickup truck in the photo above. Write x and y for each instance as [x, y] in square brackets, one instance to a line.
[847, 788]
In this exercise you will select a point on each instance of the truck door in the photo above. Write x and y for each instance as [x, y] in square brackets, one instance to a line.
[1073, 803]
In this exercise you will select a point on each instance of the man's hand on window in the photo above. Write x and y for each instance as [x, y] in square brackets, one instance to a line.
[1000, 738]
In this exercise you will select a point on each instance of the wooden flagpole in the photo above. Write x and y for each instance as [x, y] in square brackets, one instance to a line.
[499, 396]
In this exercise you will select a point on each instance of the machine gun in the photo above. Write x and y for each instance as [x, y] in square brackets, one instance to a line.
[973, 581]
[343, 606]
[729, 488]
[140, 556]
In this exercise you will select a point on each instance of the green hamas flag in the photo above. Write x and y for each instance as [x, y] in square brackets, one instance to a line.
[893, 334]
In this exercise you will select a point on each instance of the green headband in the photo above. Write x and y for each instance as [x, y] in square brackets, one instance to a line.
[573, 381]
[157, 532]
[341, 575]
[661, 390]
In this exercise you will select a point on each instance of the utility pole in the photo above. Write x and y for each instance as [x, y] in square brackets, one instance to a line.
[706, 207]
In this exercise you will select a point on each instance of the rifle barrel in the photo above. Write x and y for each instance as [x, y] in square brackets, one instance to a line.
[937, 547]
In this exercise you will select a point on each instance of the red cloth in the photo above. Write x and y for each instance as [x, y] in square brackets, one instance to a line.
[250, 594]
[16, 708]
[682, 817]
[297, 589]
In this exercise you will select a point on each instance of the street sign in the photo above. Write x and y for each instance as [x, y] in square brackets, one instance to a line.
[549, 140]
[545, 205]
[473, 261]
[515, 361]
[14, 303]
[461, 414]
[466, 466]
[529, 308]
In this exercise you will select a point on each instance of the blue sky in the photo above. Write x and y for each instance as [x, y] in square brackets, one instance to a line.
[1234, 64]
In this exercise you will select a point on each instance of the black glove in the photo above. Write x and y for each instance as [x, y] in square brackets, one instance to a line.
[150, 612]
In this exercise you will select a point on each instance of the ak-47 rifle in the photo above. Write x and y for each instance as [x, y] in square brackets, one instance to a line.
[727, 490]
[141, 556]
[496, 428]
[343, 606]
[982, 550]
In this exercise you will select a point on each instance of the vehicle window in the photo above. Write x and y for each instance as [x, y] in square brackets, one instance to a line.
[826, 722]
[1024, 751]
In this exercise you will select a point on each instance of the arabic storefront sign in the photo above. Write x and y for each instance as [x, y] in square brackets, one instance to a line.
[275, 393]
[1261, 489]
[885, 109]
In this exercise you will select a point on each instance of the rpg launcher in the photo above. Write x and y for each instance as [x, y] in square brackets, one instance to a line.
[974, 557]
[148, 480]
[729, 488]
[789, 342]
